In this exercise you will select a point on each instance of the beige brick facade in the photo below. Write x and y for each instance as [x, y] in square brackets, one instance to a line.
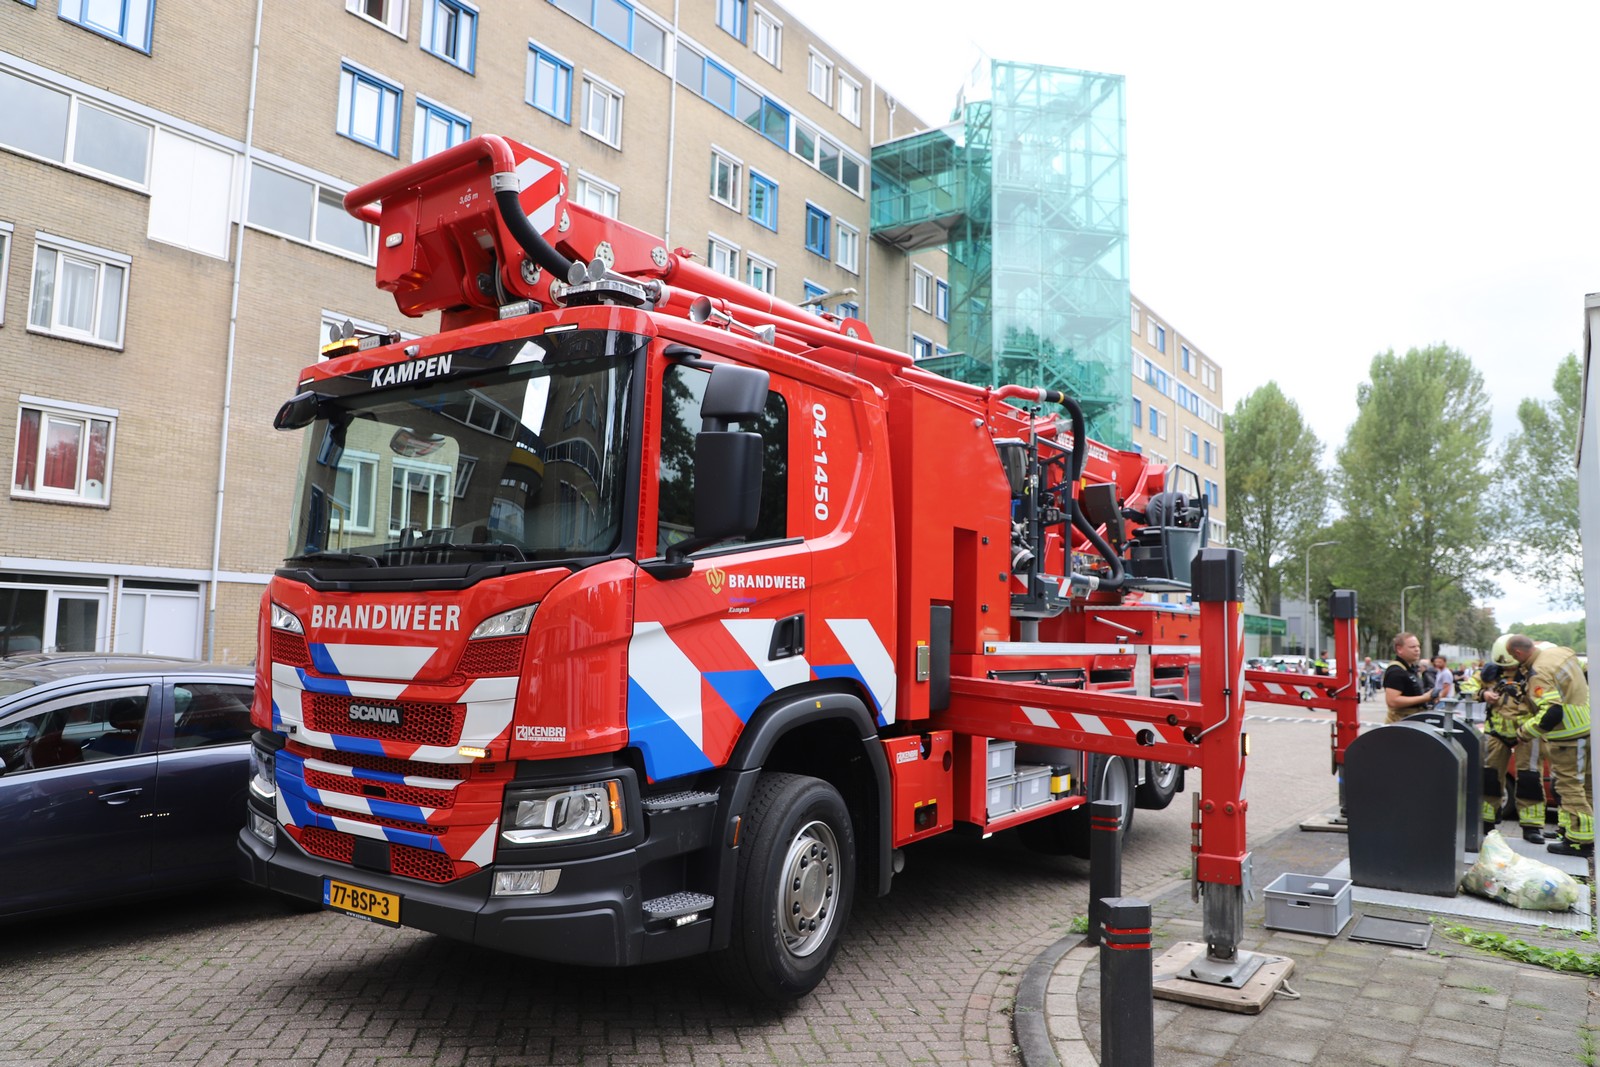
[145, 557]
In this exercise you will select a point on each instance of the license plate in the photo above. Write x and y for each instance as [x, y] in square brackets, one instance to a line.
[371, 904]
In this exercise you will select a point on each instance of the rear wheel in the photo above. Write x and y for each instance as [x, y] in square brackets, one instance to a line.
[1162, 781]
[1067, 833]
[796, 882]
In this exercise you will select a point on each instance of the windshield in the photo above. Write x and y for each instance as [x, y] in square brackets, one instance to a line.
[526, 460]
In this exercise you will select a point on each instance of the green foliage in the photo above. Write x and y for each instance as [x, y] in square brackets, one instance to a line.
[1421, 438]
[1277, 493]
[1564, 959]
[1080, 924]
[1537, 490]
[1573, 635]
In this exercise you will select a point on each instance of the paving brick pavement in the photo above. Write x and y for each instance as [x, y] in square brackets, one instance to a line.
[1358, 1003]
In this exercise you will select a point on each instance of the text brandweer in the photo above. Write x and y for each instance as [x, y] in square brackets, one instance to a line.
[388, 616]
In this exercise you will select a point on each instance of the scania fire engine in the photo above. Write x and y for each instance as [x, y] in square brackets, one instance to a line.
[638, 614]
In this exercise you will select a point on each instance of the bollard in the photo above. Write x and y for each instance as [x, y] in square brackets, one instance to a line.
[1105, 860]
[1127, 999]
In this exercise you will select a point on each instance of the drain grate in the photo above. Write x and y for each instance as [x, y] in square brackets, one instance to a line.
[1401, 932]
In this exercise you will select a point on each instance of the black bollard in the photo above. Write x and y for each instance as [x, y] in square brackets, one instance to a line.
[1105, 860]
[1127, 1000]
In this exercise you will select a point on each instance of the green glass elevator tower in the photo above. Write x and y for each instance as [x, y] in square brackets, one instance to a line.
[1028, 191]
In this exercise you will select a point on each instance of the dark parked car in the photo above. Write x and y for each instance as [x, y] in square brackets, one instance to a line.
[123, 775]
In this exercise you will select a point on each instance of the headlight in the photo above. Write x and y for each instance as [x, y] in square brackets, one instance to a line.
[506, 624]
[563, 813]
[286, 620]
[263, 828]
[263, 779]
[523, 883]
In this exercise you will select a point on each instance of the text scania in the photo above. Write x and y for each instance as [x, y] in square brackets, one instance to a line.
[415, 370]
[387, 616]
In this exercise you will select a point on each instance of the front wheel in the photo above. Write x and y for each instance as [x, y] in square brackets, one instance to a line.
[795, 884]
[1162, 781]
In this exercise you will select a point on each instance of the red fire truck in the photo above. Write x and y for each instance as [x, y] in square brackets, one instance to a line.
[637, 614]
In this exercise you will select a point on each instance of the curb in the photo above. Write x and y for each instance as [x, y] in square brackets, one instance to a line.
[1030, 1023]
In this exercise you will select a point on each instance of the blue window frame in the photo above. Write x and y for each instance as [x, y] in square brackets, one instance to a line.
[921, 348]
[369, 110]
[814, 291]
[549, 85]
[941, 300]
[718, 87]
[127, 22]
[450, 31]
[1138, 412]
[731, 16]
[764, 201]
[1161, 338]
[436, 129]
[619, 23]
[818, 225]
[848, 310]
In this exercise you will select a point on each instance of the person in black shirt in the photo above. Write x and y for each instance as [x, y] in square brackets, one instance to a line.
[1403, 690]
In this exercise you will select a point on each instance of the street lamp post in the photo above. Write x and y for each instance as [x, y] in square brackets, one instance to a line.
[1403, 593]
[1318, 544]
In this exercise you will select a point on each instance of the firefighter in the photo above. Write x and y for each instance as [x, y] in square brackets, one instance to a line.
[1557, 699]
[1502, 696]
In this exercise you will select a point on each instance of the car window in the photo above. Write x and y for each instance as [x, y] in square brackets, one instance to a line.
[210, 713]
[105, 724]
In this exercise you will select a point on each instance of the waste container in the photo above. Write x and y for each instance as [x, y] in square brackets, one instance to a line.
[1405, 799]
[1471, 742]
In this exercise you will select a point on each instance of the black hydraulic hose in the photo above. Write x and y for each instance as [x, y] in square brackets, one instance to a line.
[531, 240]
[1114, 580]
[1080, 428]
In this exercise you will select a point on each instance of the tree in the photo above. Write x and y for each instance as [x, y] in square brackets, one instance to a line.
[1421, 433]
[1277, 492]
[1573, 635]
[1536, 502]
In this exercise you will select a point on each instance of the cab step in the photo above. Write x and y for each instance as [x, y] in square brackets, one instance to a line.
[676, 906]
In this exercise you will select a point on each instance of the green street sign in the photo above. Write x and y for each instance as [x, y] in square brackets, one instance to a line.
[1266, 625]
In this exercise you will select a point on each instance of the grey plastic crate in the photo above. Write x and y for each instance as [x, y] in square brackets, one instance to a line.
[1308, 904]
[1002, 797]
[1033, 786]
[1002, 759]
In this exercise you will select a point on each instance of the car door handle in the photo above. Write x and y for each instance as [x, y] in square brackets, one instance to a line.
[788, 638]
[122, 796]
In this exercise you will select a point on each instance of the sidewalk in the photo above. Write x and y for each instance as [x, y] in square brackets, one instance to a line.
[1345, 1003]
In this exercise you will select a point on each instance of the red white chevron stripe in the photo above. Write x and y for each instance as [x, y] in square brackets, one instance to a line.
[1094, 724]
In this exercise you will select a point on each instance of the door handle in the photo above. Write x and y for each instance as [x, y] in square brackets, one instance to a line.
[119, 797]
[788, 637]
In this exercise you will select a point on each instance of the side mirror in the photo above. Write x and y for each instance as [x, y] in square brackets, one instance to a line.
[733, 393]
[297, 412]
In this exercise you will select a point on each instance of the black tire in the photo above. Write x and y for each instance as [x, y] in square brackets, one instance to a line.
[1067, 833]
[1162, 782]
[795, 885]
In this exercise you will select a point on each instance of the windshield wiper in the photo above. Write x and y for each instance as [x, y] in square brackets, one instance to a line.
[506, 548]
[355, 558]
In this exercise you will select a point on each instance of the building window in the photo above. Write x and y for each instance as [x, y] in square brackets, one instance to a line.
[1158, 336]
[820, 78]
[769, 38]
[125, 21]
[941, 300]
[849, 310]
[850, 99]
[1158, 427]
[355, 493]
[760, 274]
[921, 347]
[1135, 320]
[63, 451]
[1210, 454]
[731, 16]
[62, 127]
[722, 257]
[827, 156]
[764, 201]
[437, 128]
[848, 252]
[620, 24]
[369, 110]
[1186, 358]
[817, 224]
[549, 83]
[5, 265]
[602, 111]
[450, 31]
[305, 211]
[390, 14]
[814, 293]
[725, 171]
[921, 289]
[78, 291]
[600, 197]
[419, 497]
[1191, 443]
[1138, 412]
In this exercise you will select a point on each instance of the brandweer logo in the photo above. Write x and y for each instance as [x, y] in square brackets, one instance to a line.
[716, 577]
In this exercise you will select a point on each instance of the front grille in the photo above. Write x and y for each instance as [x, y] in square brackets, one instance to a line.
[377, 820]
[424, 865]
[329, 844]
[419, 796]
[290, 649]
[363, 761]
[492, 655]
[420, 724]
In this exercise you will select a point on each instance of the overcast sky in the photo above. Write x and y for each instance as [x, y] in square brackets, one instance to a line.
[1311, 185]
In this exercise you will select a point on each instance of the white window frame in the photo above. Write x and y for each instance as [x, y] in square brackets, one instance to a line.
[819, 77]
[317, 189]
[849, 93]
[588, 184]
[1136, 321]
[921, 289]
[721, 159]
[394, 21]
[593, 86]
[769, 269]
[364, 484]
[430, 13]
[433, 470]
[130, 33]
[847, 247]
[763, 20]
[716, 243]
[6, 241]
[99, 259]
[65, 411]
[69, 136]
[426, 107]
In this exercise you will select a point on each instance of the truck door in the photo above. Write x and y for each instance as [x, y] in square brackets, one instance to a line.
[707, 649]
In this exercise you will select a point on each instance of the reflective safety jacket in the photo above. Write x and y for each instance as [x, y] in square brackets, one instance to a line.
[1558, 694]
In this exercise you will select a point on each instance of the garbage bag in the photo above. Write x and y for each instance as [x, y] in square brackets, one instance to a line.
[1501, 874]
